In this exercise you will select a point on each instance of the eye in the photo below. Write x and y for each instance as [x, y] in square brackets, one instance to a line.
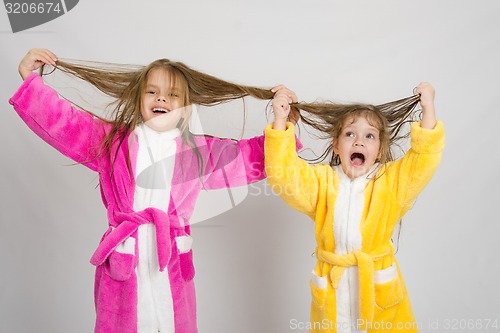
[175, 95]
[370, 136]
[151, 92]
[349, 134]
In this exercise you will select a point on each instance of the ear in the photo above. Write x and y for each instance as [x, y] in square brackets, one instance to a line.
[335, 144]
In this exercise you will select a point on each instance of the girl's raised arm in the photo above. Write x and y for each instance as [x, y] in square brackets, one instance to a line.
[413, 172]
[75, 133]
[34, 59]
[427, 93]
[289, 176]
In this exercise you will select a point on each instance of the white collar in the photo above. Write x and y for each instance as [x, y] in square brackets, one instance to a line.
[165, 135]
[360, 179]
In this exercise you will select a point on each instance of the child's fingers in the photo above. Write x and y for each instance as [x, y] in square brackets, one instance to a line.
[34, 59]
[42, 55]
[278, 87]
[426, 94]
[290, 95]
[423, 85]
[423, 88]
[282, 99]
[283, 96]
[281, 89]
[50, 57]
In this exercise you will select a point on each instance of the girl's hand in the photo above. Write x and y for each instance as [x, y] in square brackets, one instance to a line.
[427, 94]
[283, 97]
[34, 59]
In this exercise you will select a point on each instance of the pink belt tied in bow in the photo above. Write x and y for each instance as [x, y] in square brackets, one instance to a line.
[125, 224]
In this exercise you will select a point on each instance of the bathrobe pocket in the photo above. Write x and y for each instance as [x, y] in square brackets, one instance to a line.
[388, 289]
[120, 262]
[184, 245]
[318, 289]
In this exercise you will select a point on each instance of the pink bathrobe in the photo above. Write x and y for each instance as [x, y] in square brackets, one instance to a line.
[77, 135]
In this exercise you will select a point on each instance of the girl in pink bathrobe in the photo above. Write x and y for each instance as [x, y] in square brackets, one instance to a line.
[151, 170]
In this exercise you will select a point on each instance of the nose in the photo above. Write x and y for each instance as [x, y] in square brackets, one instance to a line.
[359, 143]
[161, 99]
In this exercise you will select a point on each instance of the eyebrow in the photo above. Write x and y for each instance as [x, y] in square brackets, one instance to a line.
[349, 127]
[154, 86]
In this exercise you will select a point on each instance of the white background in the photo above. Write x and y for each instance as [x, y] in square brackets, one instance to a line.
[253, 262]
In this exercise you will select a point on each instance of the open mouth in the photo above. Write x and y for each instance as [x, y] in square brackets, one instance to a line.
[357, 159]
[159, 110]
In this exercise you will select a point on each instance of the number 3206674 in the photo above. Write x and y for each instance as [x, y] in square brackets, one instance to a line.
[470, 324]
[32, 8]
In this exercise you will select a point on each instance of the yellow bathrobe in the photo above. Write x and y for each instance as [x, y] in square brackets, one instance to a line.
[356, 285]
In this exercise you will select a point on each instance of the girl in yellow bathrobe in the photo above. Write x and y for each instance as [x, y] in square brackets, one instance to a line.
[356, 202]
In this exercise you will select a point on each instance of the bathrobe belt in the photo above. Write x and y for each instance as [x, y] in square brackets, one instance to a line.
[125, 224]
[366, 273]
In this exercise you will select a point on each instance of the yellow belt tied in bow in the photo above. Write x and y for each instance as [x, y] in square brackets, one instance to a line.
[366, 273]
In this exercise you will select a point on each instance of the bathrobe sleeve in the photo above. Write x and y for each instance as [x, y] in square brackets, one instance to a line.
[73, 132]
[289, 176]
[232, 163]
[409, 175]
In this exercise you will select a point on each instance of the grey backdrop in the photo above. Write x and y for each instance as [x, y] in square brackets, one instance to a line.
[253, 261]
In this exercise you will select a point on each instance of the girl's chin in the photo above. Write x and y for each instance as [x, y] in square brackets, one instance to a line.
[357, 171]
[161, 124]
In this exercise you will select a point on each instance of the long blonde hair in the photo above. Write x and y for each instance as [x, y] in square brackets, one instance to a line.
[389, 118]
[126, 84]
